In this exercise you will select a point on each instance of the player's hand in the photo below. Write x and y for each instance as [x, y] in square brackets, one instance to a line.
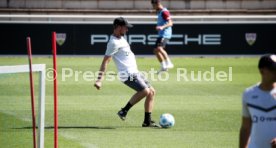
[98, 85]
[158, 28]
[273, 143]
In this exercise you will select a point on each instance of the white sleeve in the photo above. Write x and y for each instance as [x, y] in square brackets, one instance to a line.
[245, 111]
[111, 49]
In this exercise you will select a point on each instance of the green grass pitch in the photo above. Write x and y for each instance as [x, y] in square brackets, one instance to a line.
[207, 114]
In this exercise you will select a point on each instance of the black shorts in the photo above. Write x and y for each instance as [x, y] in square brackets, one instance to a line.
[137, 82]
[161, 42]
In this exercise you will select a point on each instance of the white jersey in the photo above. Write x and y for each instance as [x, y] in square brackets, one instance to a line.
[260, 106]
[122, 55]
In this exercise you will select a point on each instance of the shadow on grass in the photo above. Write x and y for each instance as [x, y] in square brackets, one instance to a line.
[91, 127]
[71, 127]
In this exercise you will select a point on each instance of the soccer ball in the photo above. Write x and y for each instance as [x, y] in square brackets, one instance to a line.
[166, 120]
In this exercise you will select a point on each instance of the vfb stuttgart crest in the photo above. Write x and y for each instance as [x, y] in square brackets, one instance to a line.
[61, 37]
[251, 38]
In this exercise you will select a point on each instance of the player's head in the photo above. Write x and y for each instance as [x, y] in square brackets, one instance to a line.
[121, 25]
[267, 67]
[156, 4]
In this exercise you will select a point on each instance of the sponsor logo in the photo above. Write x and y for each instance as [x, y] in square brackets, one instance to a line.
[177, 39]
[251, 38]
[61, 37]
[256, 119]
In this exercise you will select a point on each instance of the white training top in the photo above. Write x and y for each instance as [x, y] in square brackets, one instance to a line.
[260, 106]
[122, 55]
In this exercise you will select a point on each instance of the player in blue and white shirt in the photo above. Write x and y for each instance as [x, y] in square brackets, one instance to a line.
[119, 50]
[164, 28]
[258, 129]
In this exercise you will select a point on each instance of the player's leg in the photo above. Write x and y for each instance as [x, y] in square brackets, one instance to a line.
[133, 100]
[139, 96]
[149, 103]
[167, 60]
[137, 83]
[144, 89]
[162, 55]
[159, 55]
[165, 55]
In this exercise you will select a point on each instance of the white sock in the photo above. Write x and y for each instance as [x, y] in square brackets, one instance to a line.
[163, 64]
[168, 61]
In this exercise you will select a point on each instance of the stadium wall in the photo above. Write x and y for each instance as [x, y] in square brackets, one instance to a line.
[91, 39]
[138, 4]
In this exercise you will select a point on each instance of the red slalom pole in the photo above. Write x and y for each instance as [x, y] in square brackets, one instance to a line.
[54, 47]
[29, 48]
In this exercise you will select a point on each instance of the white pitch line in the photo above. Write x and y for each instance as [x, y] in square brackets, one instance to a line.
[15, 115]
[76, 139]
[67, 136]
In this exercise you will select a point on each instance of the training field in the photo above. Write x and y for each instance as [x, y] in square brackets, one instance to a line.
[207, 114]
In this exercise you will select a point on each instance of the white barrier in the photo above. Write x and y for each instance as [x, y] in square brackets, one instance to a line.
[12, 18]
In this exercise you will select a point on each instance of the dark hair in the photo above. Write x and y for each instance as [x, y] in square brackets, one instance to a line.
[155, 1]
[120, 21]
[267, 61]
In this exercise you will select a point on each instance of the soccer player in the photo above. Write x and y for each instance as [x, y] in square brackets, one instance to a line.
[164, 28]
[119, 50]
[258, 129]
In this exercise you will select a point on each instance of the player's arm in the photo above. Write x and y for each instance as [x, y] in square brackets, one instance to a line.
[168, 24]
[166, 16]
[98, 83]
[245, 131]
[246, 123]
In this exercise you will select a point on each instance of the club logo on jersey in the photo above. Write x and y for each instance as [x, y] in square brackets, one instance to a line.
[61, 37]
[251, 38]
[255, 97]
